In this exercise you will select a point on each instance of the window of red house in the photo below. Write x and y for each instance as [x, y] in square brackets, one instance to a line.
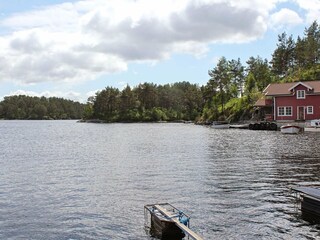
[301, 94]
[284, 111]
[310, 110]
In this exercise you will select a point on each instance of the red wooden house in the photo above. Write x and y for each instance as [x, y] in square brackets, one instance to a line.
[296, 101]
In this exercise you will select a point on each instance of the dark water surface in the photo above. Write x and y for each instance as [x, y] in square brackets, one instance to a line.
[68, 180]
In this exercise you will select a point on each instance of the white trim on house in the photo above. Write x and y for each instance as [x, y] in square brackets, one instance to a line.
[304, 113]
[274, 109]
[264, 90]
[303, 84]
[301, 94]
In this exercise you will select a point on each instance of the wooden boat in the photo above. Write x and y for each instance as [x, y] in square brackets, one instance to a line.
[310, 202]
[167, 222]
[240, 126]
[312, 129]
[315, 123]
[290, 129]
[220, 125]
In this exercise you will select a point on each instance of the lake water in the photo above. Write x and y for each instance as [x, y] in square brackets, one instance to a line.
[69, 180]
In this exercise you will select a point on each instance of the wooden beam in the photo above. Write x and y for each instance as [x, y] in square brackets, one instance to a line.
[183, 227]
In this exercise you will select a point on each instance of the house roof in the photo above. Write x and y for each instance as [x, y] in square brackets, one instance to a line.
[285, 88]
[301, 83]
[263, 102]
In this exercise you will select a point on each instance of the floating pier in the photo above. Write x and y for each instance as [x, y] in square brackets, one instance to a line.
[167, 222]
[310, 202]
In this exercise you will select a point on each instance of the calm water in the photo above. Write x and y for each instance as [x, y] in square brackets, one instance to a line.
[68, 180]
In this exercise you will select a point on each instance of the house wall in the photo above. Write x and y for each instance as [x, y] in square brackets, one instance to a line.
[292, 101]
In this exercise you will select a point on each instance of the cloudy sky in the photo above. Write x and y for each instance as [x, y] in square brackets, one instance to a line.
[73, 48]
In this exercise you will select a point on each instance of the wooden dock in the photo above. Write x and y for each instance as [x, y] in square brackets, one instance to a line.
[310, 202]
[313, 192]
[166, 220]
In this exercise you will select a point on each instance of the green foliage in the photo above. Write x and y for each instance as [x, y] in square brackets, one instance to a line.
[283, 56]
[238, 109]
[300, 59]
[87, 111]
[148, 102]
[259, 70]
[106, 104]
[26, 107]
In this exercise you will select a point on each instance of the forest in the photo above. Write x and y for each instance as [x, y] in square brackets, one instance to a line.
[230, 93]
[26, 107]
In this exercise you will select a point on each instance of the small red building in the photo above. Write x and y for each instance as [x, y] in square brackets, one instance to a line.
[296, 101]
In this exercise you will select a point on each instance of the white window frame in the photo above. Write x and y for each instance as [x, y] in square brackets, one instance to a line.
[309, 109]
[287, 111]
[301, 94]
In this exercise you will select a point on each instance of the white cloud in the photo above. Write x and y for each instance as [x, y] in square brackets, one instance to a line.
[55, 17]
[285, 18]
[312, 8]
[79, 41]
[92, 93]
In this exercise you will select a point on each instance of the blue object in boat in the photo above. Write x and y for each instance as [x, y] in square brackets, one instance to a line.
[183, 219]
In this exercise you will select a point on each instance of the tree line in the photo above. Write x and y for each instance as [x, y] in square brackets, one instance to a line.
[146, 102]
[297, 59]
[27, 107]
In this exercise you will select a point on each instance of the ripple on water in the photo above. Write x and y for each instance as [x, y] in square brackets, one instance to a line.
[65, 180]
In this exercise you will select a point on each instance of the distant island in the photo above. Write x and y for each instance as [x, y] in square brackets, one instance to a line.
[35, 108]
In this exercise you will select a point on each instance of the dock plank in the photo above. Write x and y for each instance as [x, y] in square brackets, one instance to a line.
[313, 192]
[183, 227]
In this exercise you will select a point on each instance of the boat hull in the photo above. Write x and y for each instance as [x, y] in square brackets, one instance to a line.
[312, 129]
[315, 123]
[240, 126]
[220, 125]
[225, 126]
[290, 129]
[164, 229]
[162, 223]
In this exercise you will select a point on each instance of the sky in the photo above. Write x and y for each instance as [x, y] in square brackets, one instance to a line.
[72, 49]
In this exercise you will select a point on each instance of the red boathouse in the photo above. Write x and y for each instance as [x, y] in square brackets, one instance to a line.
[296, 101]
